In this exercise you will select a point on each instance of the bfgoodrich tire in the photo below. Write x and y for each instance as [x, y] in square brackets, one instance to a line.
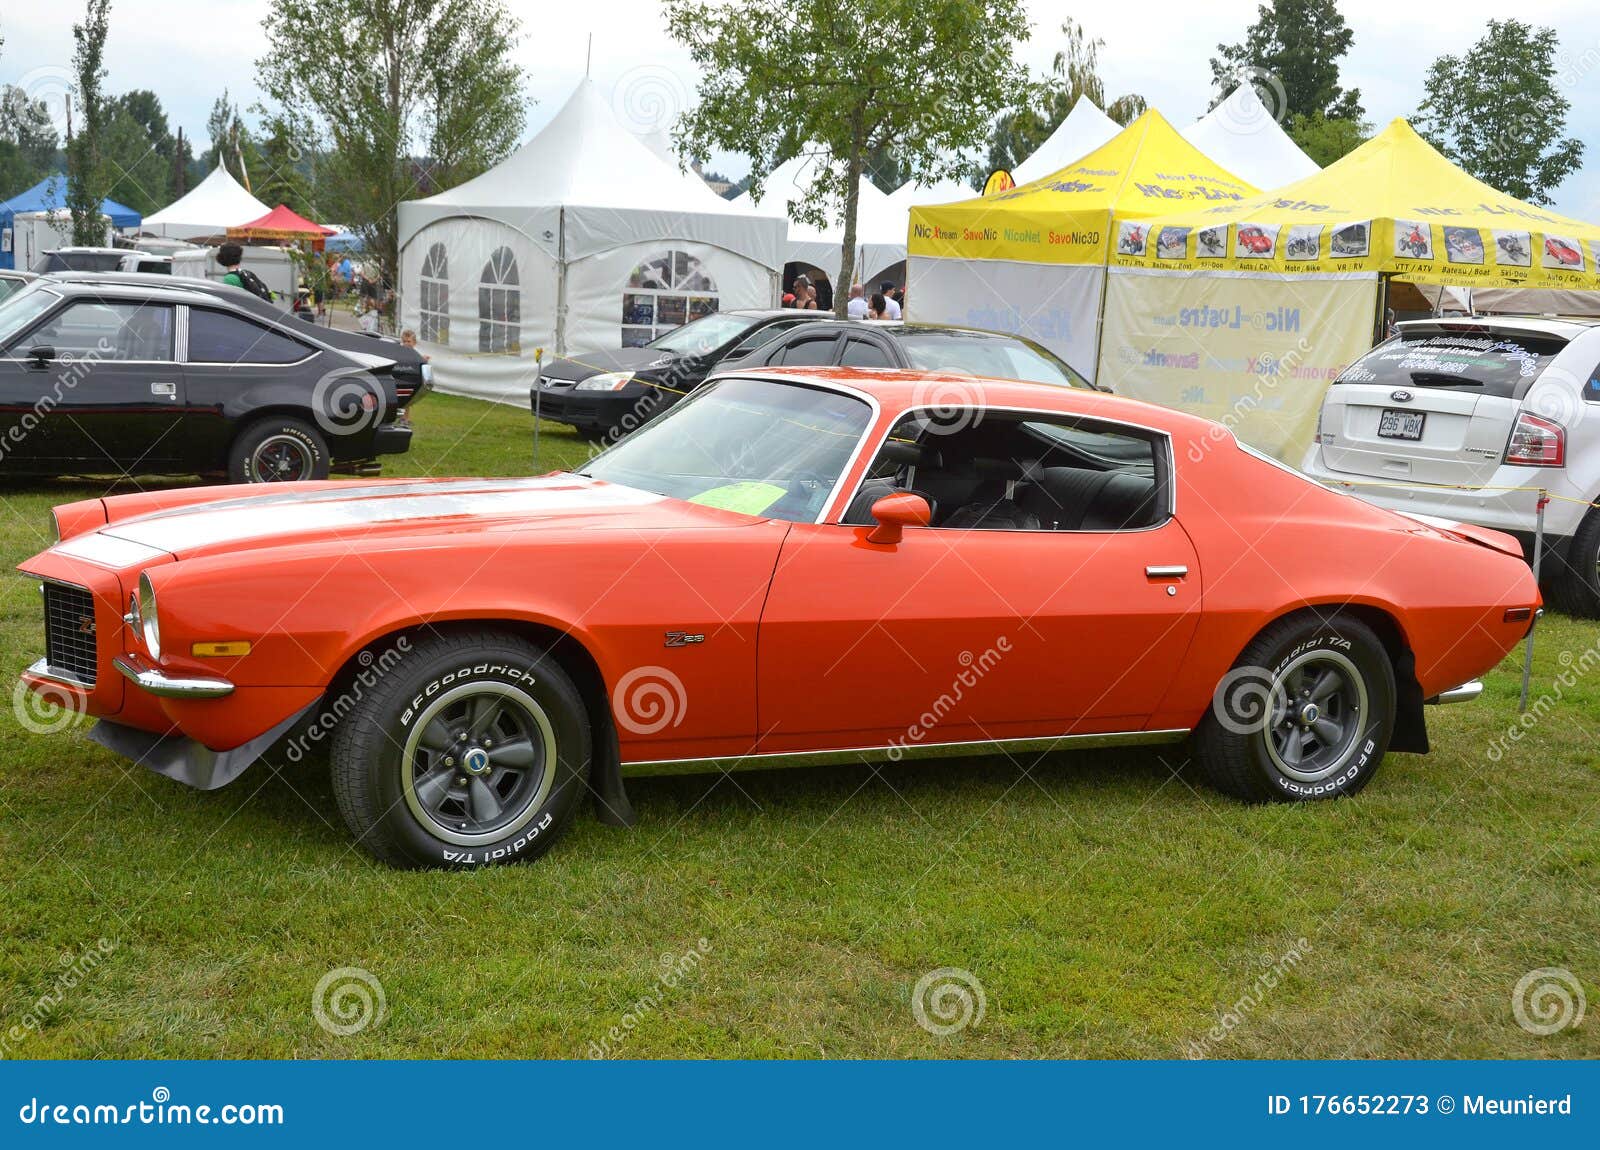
[1574, 588]
[1306, 713]
[474, 749]
[278, 450]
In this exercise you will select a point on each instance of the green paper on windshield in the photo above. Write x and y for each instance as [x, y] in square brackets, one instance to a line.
[748, 498]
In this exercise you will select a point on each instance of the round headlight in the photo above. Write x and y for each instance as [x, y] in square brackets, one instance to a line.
[149, 624]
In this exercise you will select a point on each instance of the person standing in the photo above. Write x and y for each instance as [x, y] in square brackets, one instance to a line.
[886, 288]
[857, 307]
[230, 256]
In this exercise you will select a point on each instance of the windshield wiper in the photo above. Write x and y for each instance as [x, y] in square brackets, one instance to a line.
[1443, 379]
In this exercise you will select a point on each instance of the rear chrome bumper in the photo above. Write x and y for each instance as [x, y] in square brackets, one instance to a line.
[1462, 694]
[143, 674]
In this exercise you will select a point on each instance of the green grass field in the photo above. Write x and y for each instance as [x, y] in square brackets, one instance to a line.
[1107, 904]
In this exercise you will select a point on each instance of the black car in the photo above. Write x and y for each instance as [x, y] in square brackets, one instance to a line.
[163, 375]
[606, 394]
[923, 346]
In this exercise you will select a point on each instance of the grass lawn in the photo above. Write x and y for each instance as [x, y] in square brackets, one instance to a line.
[1108, 905]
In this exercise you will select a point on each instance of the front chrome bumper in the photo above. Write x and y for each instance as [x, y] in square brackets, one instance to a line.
[1462, 694]
[142, 673]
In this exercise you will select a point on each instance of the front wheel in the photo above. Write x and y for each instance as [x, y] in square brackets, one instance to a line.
[1306, 713]
[1574, 587]
[472, 749]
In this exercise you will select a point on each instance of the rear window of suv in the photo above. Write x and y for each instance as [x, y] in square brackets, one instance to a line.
[1501, 364]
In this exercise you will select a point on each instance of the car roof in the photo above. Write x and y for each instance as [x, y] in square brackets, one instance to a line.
[897, 327]
[1562, 327]
[125, 284]
[896, 388]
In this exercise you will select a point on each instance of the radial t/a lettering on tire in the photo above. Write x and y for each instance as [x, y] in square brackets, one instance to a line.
[473, 750]
[1306, 713]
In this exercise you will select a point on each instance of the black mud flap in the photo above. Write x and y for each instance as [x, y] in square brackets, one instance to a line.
[605, 780]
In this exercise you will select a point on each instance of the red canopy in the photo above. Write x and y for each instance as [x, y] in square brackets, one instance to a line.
[281, 223]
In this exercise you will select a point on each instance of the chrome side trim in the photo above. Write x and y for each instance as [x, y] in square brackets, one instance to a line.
[41, 669]
[136, 670]
[1462, 694]
[896, 752]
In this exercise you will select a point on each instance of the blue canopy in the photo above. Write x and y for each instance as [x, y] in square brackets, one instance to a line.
[50, 195]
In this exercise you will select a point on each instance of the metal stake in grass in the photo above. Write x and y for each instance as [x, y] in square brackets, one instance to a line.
[1538, 556]
[538, 385]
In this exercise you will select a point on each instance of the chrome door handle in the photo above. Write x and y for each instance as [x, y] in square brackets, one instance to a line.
[1168, 571]
[169, 390]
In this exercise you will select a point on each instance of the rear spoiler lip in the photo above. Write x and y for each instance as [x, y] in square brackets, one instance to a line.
[1482, 536]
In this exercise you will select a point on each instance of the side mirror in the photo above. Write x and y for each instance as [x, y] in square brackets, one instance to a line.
[41, 356]
[894, 513]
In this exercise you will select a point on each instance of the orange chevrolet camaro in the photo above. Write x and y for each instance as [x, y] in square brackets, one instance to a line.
[804, 565]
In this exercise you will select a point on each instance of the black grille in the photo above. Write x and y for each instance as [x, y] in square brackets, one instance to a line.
[69, 631]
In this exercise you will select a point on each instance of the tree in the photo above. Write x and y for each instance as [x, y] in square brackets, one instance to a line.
[85, 167]
[25, 126]
[1497, 112]
[1291, 53]
[840, 80]
[1074, 73]
[136, 170]
[365, 83]
[280, 166]
[1326, 140]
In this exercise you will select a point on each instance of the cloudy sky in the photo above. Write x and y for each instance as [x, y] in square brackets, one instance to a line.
[189, 50]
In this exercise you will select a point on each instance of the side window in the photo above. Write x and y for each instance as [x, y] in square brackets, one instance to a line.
[500, 305]
[433, 296]
[864, 353]
[814, 352]
[108, 329]
[1034, 471]
[217, 337]
[761, 337]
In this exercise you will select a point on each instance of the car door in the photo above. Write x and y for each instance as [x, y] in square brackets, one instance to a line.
[106, 371]
[235, 367]
[960, 635]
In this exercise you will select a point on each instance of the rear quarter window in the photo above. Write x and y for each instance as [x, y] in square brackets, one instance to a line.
[1500, 364]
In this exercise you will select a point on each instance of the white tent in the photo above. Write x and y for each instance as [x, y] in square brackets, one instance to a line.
[583, 238]
[214, 205]
[1085, 129]
[880, 224]
[1242, 136]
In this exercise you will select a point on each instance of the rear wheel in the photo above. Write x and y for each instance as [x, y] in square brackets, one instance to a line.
[472, 750]
[1306, 713]
[278, 450]
[1574, 588]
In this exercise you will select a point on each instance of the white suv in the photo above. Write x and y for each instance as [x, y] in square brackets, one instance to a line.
[1449, 415]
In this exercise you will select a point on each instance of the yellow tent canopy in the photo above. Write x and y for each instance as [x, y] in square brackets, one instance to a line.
[1146, 170]
[1394, 206]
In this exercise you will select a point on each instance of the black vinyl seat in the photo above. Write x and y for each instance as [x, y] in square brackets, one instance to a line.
[1078, 499]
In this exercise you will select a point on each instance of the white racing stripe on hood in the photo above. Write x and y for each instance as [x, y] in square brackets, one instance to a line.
[236, 521]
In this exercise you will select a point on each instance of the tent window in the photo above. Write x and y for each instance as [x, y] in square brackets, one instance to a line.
[664, 292]
[434, 296]
[500, 304]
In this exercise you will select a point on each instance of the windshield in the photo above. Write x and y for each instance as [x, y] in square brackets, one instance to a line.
[756, 446]
[998, 356]
[704, 334]
[1501, 364]
[19, 311]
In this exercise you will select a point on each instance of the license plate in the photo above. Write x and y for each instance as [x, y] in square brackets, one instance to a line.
[1394, 424]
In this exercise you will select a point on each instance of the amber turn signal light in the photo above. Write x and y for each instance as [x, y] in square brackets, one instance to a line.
[220, 650]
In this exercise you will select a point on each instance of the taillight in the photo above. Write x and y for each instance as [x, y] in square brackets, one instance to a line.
[1537, 442]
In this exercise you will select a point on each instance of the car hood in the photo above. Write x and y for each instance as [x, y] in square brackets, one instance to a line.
[367, 513]
[589, 363]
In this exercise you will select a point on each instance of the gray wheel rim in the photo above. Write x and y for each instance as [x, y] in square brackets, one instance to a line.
[281, 459]
[1318, 716]
[478, 764]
